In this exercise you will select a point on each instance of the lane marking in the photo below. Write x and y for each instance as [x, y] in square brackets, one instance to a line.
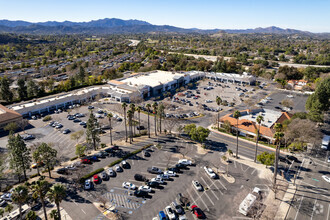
[302, 198]
[328, 212]
[209, 188]
[313, 209]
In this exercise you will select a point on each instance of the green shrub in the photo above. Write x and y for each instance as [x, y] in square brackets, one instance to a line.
[34, 175]
[73, 158]
[115, 162]
[103, 145]
[87, 176]
[47, 118]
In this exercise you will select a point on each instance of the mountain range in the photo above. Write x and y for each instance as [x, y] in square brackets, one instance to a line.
[117, 26]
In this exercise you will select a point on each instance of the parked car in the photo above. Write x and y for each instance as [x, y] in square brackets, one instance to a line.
[90, 107]
[170, 173]
[185, 162]
[140, 193]
[153, 184]
[118, 168]
[170, 213]
[86, 161]
[140, 177]
[177, 208]
[163, 176]
[104, 176]
[145, 188]
[128, 185]
[111, 172]
[162, 215]
[38, 164]
[210, 172]
[28, 137]
[326, 178]
[140, 127]
[197, 185]
[96, 178]
[197, 211]
[2, 202]
[146, 153]
[66, 131]
[88, 184]
[6, 196]
[62, 171]
[154, 170]
[125, 164]
[158, 180]
[76, 120]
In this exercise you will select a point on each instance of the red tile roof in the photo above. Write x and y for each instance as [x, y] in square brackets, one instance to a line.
[8, 115]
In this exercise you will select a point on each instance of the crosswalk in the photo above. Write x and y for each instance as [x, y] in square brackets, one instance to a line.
[123, 201]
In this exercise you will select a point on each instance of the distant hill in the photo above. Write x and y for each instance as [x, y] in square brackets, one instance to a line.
[116, 26]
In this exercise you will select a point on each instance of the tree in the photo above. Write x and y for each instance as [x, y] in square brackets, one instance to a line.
[148, 106]
[77, 135]
[54, 214]
[48, 156]
[31, 215]
[259, 119]
[110, 115]
[19, 197]
[23, 124]
[218, 100]
[81, 75]
[40, 189]
[56, 194]
[19, 154]
[129, 117]
[11, 127]
[37, 159]
[196, 133]
[227, 126]
[266, 158]
[132, 108]
[236, 115]
[80, 150]
[92, 130]
[287, 103]
[124, 106]
[2, 211]
[160, 111]
[32, 89]
[5, 91]
[138, 109]
[154, 106]
[22, 89]
[9, 208]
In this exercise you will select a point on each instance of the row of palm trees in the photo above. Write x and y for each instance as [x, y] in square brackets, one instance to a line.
[42, 190]
[129, 111]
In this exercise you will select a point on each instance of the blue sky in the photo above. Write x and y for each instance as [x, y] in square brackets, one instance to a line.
[309, 15]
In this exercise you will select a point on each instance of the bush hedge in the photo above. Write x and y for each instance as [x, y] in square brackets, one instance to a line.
[87, 176]
[47, 118]
[34, 175]
[73, 158]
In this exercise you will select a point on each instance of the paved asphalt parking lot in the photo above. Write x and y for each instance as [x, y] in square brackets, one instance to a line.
[217, 200]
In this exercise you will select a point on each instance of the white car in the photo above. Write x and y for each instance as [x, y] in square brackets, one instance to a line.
[170, 173]
[329, 159]
[170, 213]
[163, 176]
[185, 162]
[128, 185]
[210, 172]
[158, 180]
[88, 184]
[326, 178]
[145, 188]
[197, 185]
[289, 96]
[183, 217]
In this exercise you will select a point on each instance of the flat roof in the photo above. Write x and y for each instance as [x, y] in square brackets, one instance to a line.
[270, 116]
[152, 79]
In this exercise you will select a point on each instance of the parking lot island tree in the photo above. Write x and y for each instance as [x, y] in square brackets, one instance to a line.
[266, 158]
[138, 109]
[154, 106]
[56, 194]
[40, 189]
[19, 197]
[218, 100]
[19, 154]
[259, 119]
[110, 115]
[48, 156]
[148, 106]
[124, 106]
[37, 159]
[198, 134]
[236, 115]
[92, 131]
[80, 150]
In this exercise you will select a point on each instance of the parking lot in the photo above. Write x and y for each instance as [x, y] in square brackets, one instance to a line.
[216, 200]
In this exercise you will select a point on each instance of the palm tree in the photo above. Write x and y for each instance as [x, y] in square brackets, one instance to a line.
[138, 109]
[259, 119]
[218, 100]
[236, 115]
[124, 106]
[19, 197]
[154, 106]
[278, 137]
[56, 194]
[110, 115]
[132, 108]
[129, 117]
[40, 189]
[148, 106]
[160, 113]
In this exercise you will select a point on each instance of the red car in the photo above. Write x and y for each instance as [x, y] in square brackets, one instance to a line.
[96, 178]
[85, 161]
[197, 211]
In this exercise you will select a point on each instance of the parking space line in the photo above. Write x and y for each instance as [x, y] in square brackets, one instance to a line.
[192, 198]
[302, 198]
[235, 164]
[254, 170]
[199, 197]
[209, 188]
[328, 212]
[313, 209]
